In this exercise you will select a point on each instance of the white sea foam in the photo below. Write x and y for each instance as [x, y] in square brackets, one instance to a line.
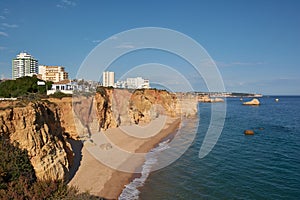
[131, 192]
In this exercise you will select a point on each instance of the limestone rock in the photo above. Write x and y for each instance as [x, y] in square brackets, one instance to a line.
[217, 100]
[36, 127]
[249, 132]
[207, 99]
[146, 105]
[116, 106]
[104, 111]
[254, 102]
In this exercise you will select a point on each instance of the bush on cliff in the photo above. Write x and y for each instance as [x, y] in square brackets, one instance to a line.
[18, 180]
[59, 95]
[14, 164]
[22, 86]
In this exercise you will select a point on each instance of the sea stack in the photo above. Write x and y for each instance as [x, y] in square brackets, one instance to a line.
[249, 132]
[253, 102]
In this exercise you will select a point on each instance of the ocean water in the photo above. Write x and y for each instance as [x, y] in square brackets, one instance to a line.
[263, 166]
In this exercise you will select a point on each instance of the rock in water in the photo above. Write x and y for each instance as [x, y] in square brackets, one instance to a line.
[249, 132]
[254, 102]
[217, 100]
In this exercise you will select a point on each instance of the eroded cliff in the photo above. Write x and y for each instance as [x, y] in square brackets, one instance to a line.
[37, 128]
[44, 128]
[116, 107]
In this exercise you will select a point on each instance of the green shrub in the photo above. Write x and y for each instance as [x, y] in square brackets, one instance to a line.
[23, 86]
[59, 95]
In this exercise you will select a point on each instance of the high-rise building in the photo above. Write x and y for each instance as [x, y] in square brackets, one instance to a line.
[108, 79]
[24, 65]
[52, 73]
[137, 83]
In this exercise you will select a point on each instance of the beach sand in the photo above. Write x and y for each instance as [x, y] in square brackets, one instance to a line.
[95, 176]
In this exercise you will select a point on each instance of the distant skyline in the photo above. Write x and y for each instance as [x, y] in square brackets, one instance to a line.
[255, 44]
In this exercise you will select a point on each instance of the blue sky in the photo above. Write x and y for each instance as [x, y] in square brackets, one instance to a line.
[255, 44]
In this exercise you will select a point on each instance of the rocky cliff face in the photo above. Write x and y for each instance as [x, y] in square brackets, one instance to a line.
[103, 103]
[42, 128]
[37, 128]
[145, 105]
[116, 106]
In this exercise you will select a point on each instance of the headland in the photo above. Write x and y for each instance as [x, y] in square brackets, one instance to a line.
[60, 135]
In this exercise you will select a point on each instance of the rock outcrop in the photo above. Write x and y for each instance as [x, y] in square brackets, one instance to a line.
[249, 132]
[36, 127]
[67, 120]
[146, 105]
[106, 116]
[116, 106]
[207, 99]
[253, 102]
[186, 105]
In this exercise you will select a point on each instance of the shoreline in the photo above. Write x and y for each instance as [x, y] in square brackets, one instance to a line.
[101, 180]
[167, 131]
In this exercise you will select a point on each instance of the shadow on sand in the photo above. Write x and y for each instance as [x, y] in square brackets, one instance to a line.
[77, 150]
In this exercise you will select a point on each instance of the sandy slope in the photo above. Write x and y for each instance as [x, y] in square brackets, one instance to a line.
[115, 147]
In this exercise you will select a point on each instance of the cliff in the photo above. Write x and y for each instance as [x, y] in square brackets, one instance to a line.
[115, 107]
[44, 128]
[37, 128]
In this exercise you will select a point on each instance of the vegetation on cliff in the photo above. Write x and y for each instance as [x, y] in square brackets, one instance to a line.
[22, 87]
[18, 180]
[59, 95]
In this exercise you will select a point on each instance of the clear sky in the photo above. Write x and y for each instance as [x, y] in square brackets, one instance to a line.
[255, 44]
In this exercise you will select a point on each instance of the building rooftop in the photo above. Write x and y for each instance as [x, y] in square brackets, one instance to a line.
[24, 55]
[66, 81]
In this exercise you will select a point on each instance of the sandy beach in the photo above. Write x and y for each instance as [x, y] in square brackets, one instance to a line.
[111, 158]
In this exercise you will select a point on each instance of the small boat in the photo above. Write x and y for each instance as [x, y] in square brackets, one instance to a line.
[276, 100]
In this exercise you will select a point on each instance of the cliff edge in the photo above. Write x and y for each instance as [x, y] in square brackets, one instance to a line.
[37, 128]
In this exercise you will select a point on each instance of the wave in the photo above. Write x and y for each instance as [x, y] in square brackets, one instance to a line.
[131, 190]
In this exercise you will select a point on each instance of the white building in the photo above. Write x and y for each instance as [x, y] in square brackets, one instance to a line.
[133, 83]
[24, 65]
[65, 86]
[146, 84]
[53, 73]
[121, 84]
[108, 79]
[137, 83]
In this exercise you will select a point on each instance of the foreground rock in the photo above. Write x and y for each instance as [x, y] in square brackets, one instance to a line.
[253, 102]
[36, 127]
[249, 132]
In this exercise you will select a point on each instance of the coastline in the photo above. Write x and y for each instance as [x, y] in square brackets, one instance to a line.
[101, 180]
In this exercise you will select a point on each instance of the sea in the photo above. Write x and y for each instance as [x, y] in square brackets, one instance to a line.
[265, 165]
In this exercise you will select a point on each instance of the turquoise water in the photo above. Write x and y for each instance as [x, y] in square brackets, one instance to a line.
[263, 166]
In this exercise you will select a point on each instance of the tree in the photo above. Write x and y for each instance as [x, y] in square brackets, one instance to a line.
[23, 86]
